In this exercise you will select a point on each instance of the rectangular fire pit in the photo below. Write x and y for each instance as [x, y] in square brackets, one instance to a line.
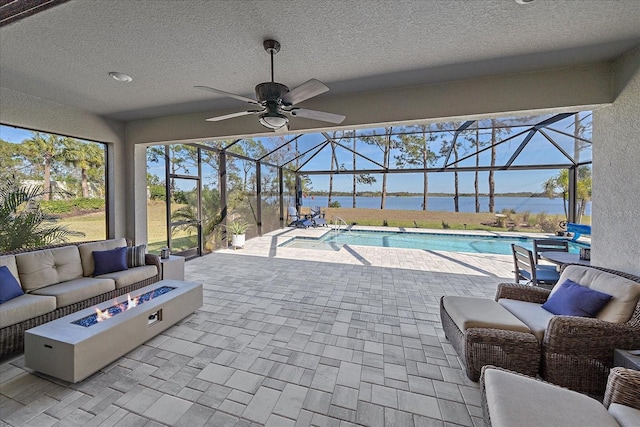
[75, 346]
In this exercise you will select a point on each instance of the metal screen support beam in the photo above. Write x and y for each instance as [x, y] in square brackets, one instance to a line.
[167, 192]
[259, 197]
[279, 147]
[281, 195]
[462, 127]
[555, 144]
[200, 235]
[516, 153]
[222, 183]
[573, 189]
[298, 193]
[351, 150]
[323, 143]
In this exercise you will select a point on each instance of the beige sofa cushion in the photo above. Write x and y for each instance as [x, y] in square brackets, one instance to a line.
[626, 416]
[531, 314]
[77, 290]
[9, 261]
[46, 267]
[86, 252]
[473, 312]
[25, 307]
[625, 293]
[517, 401]
[127, 277]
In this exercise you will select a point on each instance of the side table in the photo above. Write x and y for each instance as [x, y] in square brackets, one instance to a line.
[172, 268]
[627, 359]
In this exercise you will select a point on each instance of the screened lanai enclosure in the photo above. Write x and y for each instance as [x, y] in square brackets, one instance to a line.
[196, 189]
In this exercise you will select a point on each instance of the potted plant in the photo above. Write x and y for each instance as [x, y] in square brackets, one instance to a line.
[237, 228]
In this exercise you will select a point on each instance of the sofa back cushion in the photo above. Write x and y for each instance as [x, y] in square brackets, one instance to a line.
[625, 293]
[10, 262]
[38, 269]
[86, 252]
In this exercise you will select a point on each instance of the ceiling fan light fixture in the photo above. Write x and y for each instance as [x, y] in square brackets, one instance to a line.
[272, 120]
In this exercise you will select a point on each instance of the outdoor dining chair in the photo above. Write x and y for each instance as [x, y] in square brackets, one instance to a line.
[547, 245]
[528, 269]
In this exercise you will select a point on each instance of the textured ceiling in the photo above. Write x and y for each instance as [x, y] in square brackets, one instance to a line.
[63, 54]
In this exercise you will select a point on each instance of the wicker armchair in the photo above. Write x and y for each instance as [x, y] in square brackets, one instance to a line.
[623, 388]
[577, 352]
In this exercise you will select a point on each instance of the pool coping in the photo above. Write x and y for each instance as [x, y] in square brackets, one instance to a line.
[411, 230]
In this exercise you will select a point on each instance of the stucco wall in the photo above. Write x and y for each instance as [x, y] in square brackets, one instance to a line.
[616, 172]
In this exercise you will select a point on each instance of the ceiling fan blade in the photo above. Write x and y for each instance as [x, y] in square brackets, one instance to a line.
[303, 92]
[232, 115]
[317, 115]
[228, 94]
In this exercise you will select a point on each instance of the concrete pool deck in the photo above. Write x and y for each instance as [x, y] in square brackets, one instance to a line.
[286, 337]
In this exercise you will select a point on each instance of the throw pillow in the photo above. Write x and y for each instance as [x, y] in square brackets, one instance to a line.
[110, 261]
[135, 256]
[9, 286]
[572, 299]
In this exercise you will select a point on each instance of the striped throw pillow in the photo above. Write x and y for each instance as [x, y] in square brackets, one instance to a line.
[135, 256]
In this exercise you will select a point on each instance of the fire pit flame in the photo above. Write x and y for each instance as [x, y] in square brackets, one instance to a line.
[131, 302]
[121, 307]
[102, 315]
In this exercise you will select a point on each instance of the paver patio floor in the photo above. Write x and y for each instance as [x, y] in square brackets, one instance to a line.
[286, 338]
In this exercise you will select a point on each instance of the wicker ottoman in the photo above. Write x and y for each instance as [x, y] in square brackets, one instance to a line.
[485, 333]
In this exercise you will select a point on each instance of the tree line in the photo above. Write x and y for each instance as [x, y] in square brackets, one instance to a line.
[45, 158]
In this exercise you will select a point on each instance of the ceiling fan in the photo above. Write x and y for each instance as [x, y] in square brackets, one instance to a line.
[275, 101]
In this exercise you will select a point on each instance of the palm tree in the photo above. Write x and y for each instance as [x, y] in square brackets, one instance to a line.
[23, 224]
[42, 149]
[84, 156]
[560, 184]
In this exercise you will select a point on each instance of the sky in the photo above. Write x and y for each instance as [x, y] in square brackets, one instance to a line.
[538, 150]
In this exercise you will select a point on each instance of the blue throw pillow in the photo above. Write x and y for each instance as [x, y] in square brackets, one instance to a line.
[9, 286]
[572, 299]
[110, 261]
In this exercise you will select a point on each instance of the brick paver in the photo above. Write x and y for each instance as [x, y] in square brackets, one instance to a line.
[286, 337]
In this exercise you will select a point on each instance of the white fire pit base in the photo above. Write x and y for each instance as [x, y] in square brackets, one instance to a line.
[73, 352]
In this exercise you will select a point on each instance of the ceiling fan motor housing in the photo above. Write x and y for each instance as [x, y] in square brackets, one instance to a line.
[270, 91]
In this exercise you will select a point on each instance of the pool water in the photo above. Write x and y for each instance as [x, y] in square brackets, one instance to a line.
[435, 242]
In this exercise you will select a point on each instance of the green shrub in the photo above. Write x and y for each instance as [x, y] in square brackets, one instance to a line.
[335, 204]
[445, 224]
[69, 206]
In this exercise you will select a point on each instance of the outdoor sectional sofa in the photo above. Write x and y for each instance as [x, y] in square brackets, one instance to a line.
[510, 399]
[59, 280]
[516, 332]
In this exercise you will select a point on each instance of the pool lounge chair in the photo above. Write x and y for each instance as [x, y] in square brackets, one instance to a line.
[296, 220]
[317, 217]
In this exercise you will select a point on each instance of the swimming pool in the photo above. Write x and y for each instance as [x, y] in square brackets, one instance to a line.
[334, 240]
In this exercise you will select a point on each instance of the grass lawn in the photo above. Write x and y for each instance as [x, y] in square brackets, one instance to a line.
[94, 227]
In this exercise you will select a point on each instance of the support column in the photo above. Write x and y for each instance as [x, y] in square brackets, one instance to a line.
[281, 195]
[573, 190]
[259, 197]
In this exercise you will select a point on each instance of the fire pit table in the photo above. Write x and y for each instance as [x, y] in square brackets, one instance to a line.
[76, 346]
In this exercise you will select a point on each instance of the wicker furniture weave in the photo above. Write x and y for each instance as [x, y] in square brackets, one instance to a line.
[12, 336]
[623, 387]
[577, 352]
[517, 351]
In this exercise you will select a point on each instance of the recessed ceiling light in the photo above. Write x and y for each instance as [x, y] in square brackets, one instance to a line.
[524, 1]
[120, 77]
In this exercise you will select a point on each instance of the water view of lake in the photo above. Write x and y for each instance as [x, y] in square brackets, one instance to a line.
[467, 204]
